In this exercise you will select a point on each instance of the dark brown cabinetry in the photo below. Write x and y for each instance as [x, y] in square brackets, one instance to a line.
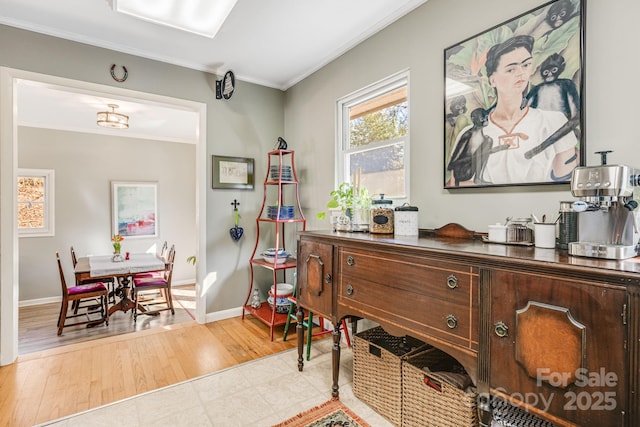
[560, 345]
[315, 291]
[556, 334]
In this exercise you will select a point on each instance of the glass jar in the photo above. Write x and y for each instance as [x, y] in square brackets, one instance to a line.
[568, 225]
[381, 216]
[518, 230]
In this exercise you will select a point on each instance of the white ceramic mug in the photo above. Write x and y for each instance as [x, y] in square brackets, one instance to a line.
[545, 234]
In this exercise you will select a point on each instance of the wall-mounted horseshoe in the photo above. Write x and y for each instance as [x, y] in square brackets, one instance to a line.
[119, 79]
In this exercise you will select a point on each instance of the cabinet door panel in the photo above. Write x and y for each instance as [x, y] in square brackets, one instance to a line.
[315, 277]
[559, 345]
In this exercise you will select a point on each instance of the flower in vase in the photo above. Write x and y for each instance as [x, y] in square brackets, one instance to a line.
[116, 239]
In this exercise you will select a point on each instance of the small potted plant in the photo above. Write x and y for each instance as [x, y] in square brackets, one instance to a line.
[352, 206]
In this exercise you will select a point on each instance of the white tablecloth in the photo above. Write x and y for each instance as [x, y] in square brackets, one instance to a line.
[103, 265]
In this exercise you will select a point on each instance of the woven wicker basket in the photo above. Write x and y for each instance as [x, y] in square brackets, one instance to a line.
[377, 370]
[428, 400]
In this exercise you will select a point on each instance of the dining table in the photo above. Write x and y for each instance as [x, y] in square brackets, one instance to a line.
[104, 266]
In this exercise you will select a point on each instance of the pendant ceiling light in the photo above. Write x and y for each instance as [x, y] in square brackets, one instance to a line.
[111, 119]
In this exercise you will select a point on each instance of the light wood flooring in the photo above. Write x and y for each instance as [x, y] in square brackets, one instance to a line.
[37, 329]
[53, 383]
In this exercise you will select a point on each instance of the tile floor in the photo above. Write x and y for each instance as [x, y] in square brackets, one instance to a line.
[259, 393]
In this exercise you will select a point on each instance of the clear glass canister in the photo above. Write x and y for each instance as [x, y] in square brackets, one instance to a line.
[518, 230]
[381, 216]
[568, 225]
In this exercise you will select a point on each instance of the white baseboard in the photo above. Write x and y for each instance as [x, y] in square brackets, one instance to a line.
[224, 314]
[209, 317]
[39, 301]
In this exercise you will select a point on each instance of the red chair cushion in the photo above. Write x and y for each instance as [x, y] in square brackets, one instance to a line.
[155, 274]
[87, 287]
[149, 281]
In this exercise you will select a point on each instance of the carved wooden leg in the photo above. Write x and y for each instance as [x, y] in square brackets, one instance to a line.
[335, 361]
[300, 333]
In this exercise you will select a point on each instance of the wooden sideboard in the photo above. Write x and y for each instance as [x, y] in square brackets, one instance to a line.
[556, 334]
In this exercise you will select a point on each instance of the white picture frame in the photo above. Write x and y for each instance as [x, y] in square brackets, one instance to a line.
[134, 209]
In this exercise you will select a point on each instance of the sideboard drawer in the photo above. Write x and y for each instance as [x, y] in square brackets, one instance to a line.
[444, 319]
[439, 298]
[442, 280]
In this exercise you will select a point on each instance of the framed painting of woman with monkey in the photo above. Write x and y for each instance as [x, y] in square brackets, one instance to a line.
[513, 101]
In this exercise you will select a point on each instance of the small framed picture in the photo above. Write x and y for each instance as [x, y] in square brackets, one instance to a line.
[232, 172]
[514, 101]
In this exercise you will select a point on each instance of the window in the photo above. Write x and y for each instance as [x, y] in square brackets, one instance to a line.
[35, 202]
[373, 138]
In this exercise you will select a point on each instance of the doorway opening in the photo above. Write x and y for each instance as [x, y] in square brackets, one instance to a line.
[9, 242]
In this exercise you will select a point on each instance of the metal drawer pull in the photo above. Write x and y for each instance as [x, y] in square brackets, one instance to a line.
[452, 321]
[452, 282]
[349, 290]
[350, 260]
[327, 278]
[501, 329]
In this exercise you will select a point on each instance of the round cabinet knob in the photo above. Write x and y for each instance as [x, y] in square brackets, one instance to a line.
[452, 321]
[349, 290]
[350, 260]
[501, 329]
[452, 282]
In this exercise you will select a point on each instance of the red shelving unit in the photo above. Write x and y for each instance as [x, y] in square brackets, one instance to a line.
[280, 187]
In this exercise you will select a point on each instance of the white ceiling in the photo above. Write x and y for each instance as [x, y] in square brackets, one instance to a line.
[275, 43]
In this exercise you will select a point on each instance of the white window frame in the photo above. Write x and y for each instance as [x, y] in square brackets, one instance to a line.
[49, 203]
[374, 90]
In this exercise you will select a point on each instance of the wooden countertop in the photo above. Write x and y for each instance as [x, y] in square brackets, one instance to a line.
[625, 272]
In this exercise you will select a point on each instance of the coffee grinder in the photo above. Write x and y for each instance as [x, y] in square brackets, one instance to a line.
[608, 214]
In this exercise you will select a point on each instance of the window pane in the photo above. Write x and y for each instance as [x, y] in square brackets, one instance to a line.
[379, 119]
[30, 215]
[31, 189]
[381, 170]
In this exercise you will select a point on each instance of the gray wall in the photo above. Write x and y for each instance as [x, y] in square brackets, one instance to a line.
[250, 122]
[247, 125]
[85, 165]
[416, 42]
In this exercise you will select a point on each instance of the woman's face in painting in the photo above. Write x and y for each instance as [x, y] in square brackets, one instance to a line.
[513, 71]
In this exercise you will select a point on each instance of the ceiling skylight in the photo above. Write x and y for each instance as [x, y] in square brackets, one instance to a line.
[202, 17]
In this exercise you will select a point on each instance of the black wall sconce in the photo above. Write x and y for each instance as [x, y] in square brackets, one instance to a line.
[226, 86]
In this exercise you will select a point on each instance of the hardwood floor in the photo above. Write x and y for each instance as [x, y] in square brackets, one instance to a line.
[37, 324]
[53, 383]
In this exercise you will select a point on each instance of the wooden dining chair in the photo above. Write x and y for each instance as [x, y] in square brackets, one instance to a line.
[80, 293]
[157, 274]
[160, 284]
[108, 282]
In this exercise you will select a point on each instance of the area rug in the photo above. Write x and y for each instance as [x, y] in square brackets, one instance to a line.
[330, 414]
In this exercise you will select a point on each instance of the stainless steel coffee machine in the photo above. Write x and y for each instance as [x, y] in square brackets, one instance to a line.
[608, 214]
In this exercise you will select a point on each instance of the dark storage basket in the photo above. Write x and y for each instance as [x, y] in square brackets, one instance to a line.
[430, 397]
[508, 415]
[377, 370]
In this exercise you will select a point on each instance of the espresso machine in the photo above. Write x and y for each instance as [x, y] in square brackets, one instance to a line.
[608, 214]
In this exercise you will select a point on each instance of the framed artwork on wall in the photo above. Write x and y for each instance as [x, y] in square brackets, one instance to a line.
[134, 209]
[232, 172]
[514, 101]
